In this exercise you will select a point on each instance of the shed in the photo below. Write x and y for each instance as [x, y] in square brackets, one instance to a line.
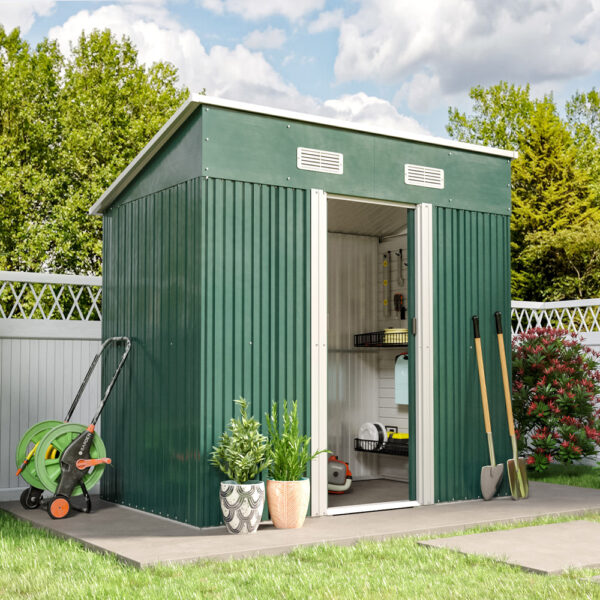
[263, 253]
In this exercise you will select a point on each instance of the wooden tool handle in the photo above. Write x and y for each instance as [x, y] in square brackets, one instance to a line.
[484, 398]
[507, 399]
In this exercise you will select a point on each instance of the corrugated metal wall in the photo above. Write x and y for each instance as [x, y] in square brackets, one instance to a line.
[471, 276]
[211, 280]
[38, 381]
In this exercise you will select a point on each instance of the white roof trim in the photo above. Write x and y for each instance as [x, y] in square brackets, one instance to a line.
[195, 100]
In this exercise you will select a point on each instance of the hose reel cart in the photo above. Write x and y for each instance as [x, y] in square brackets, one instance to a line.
[66, 459]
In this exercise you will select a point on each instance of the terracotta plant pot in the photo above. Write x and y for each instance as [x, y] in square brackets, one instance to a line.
[288, 502]
[242, 505]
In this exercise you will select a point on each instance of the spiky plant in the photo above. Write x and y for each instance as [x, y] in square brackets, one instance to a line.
[289, 451]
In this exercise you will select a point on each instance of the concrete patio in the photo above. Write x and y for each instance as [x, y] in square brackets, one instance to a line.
[143, 540]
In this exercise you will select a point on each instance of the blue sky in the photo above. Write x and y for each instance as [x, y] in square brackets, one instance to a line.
[396, 64]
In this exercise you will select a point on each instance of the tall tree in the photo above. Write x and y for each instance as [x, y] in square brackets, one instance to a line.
[552, 188]
[90, 114]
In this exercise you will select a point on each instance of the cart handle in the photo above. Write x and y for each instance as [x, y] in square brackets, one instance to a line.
[108, 342]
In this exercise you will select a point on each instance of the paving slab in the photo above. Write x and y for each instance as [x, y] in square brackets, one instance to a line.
[549, 549]
[143, 539]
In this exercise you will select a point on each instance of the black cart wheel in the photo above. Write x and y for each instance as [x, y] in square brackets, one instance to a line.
[31, 498]
[59, 507]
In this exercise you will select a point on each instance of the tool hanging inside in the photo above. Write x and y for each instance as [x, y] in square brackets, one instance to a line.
[401, 265]
[387, 283]
[399, 307]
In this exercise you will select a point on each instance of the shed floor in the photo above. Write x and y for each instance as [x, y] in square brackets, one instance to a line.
[142, 539]
[369, 492]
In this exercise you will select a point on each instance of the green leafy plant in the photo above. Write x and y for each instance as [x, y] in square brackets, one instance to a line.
[242, 451]
[556, 388]
[289, 451]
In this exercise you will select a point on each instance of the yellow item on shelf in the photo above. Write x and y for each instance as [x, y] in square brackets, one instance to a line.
[395, 336]
[397, 436]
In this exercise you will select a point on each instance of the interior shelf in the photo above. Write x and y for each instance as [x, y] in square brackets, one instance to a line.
[382, 339]
[395, 447]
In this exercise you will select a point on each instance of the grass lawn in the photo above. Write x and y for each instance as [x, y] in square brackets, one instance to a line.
[577, 475]
[35, 564]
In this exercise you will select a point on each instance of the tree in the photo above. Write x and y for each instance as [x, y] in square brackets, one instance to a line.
[76, 121]
[552, 186]
[565, 263]
[499, 116]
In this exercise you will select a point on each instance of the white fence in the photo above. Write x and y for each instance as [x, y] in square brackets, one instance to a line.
[50, 330]
[580, 316]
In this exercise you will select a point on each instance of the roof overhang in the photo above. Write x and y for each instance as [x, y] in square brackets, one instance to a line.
[195, 100]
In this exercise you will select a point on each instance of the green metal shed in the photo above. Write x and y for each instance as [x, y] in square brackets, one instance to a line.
[246, 247]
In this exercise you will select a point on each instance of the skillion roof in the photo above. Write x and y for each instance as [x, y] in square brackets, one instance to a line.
[196, 100]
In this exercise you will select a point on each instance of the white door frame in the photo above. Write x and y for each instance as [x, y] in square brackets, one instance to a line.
[423, 359]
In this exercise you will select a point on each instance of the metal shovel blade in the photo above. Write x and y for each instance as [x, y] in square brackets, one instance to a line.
[519, 487]
[490, 480]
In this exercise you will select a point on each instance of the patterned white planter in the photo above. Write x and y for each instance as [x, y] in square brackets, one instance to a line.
[242, 505]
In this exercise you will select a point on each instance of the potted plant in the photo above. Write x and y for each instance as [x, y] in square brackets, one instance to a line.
[242, 453]
[288, 490]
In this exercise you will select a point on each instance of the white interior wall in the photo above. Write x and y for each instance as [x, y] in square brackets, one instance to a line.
[352, 373]
[361, 380]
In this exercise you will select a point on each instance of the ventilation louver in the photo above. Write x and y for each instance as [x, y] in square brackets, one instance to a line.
[310, 159]
[424, 176]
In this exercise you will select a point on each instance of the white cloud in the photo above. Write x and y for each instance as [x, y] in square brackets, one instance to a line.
[371, 111]
[443, 48]
[331, 19]
[269, 38]
[237, 73]
[22, 13]
[260, 9]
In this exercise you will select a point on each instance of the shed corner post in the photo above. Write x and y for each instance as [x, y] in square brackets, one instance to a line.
[318, 348]
[424, 388]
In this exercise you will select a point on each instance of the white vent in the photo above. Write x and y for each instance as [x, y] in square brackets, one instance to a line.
[424, 176]
[309, 159]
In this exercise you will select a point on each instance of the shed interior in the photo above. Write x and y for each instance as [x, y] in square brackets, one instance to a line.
[368, 349]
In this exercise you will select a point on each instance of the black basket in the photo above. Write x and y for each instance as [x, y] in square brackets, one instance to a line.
[381, 339]
[392, 446]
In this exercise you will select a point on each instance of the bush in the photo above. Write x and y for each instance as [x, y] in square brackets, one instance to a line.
[555, 397]
[289, 451]
[242, 451]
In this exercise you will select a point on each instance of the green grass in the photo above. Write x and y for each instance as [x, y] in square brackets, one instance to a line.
[577, 475]
[35, 564]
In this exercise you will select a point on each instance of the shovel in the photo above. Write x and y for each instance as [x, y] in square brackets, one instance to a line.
[516, 467]
[491, 475]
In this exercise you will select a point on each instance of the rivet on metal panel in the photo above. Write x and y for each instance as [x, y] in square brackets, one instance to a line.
[288, 126]
[288, 178]
[250, 343]
[449, 199]
[206, 139]
[449, 153]
[206, 168]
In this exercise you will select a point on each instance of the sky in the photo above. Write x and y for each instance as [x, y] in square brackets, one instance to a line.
[394, 64]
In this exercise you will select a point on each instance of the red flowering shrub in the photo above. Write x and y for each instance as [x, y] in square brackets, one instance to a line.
[556, 397]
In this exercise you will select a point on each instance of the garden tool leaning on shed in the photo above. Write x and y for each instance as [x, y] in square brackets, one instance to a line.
[491, 475]
[515, 467]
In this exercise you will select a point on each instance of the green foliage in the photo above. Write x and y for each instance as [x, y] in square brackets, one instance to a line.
[500, 116]
[556, 390]
[575, 475]
[68, 126]
[555, 183]
[242, 451]
[289, 451]
[564, 263]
